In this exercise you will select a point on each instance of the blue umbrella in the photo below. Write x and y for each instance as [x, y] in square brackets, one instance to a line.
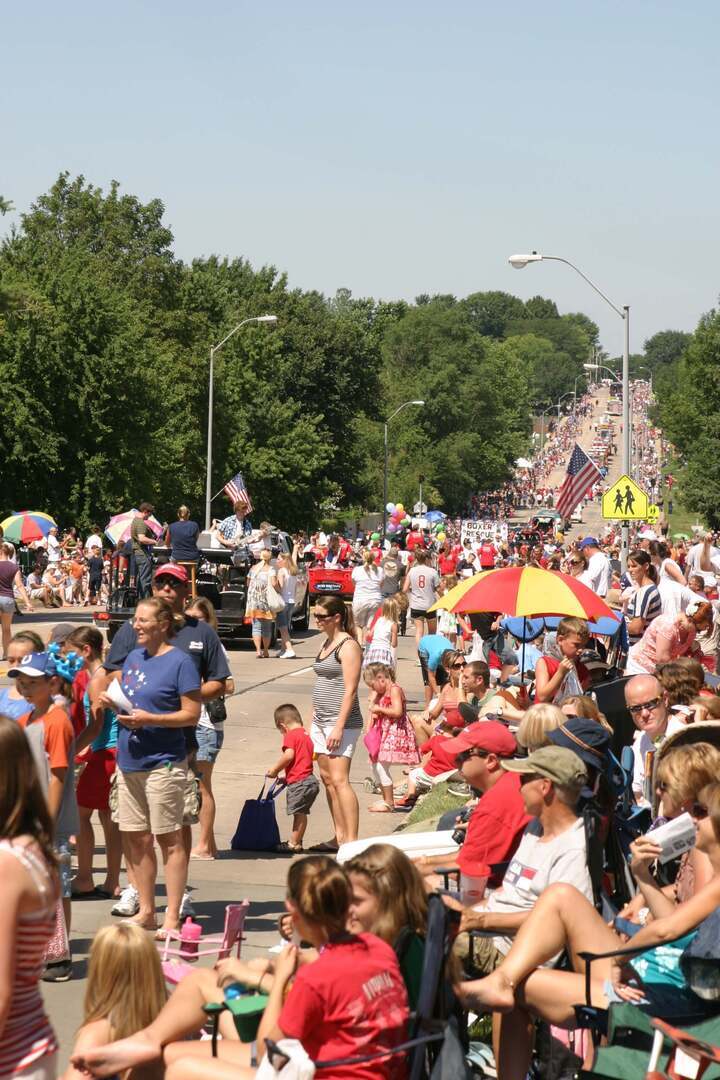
[606, 626]
[435, 515]
[524, 629]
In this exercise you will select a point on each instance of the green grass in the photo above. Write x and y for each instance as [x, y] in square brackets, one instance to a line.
[433, 804]
[681, 519]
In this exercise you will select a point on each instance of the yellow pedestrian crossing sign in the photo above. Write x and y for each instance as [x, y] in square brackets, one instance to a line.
[625, 501]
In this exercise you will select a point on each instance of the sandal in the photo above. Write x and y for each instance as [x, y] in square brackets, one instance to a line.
[328, 847]
[284, 848]
[381, 808]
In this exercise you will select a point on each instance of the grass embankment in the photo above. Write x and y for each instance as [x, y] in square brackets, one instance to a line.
[432, 805]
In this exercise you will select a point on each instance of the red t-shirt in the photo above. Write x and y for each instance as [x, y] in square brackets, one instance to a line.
[487, 553]
[495, 826]
[447, 564]
[302, 764]
[440, 761]
[77, 704]
[350, 1001]
[414, 539]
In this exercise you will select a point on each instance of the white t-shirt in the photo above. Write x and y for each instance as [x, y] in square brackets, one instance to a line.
[382, 632]
[53, 548]
[642, 745]
[368, 580]
[287, 583]
[93, 541]
[692, 560]
[600, 574]
[676, 597]
[424, 581]
[534, 866]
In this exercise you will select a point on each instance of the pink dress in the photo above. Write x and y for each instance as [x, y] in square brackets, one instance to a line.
[642, 656]
[397, 740]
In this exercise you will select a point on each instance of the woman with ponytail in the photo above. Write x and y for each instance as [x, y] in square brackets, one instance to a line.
[337, 722]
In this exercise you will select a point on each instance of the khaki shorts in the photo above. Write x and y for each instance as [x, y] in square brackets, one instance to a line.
[480, 958]
[152, 801]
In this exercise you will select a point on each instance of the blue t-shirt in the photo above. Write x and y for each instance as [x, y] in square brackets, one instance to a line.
[431, 648]
[183, 541]
[11, 707]
[154, 683]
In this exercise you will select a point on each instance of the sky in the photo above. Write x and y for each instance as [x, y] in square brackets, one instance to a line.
[393, 148]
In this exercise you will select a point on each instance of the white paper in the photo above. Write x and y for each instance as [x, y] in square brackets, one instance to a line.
[674, 837]
[117, 695]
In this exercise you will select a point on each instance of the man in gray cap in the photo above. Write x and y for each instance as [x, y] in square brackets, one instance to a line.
[552, 848]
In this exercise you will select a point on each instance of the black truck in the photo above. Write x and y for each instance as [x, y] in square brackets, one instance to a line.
[221, 576]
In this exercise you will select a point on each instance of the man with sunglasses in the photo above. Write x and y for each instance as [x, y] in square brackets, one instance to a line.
[645, 701]
[499, 818]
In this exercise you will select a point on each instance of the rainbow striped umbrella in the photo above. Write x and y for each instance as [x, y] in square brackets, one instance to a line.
[527, 591]
[27, 525]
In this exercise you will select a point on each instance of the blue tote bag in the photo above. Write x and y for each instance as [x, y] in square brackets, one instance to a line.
[257, 828]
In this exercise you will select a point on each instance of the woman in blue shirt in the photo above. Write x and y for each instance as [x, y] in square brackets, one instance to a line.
[181, 537]
[162, 687]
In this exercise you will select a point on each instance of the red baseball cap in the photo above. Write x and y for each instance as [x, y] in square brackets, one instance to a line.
[171, 569]
[487, 735]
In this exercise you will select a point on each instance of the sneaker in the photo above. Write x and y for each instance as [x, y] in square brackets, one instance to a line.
[459, 790]
[58, 972]
[186, 906]
[288, 655]
[128, 903]
[279, 653]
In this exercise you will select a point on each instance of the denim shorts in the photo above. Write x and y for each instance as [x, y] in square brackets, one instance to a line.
[65, 872]
[262, 628]
[209, 742]
[7, 605]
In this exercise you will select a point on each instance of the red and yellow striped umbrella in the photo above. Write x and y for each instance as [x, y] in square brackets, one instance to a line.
[527, 591]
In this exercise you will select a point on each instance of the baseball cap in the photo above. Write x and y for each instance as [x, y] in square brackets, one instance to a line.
[35, 664]
[586, 738]
[589, 541]
[557, 763]
[484, 735]
[171, 569]
[60, 632]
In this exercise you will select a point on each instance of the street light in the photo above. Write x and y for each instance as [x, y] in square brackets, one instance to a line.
[521, 261]
[213, 350]
[385, 468]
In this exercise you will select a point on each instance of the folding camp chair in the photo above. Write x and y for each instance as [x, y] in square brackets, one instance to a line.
[176, 960]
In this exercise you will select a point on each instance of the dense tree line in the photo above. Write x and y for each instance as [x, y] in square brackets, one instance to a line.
[104, 347]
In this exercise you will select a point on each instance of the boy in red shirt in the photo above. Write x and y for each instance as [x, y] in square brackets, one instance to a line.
[296, 761]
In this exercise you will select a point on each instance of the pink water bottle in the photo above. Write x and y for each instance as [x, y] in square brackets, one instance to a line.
[190, 934]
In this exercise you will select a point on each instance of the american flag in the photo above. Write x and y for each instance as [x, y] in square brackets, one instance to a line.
[237, 492]
[581, 474]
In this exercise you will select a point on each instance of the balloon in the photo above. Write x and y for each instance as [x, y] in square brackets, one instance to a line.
[391, 528]
[390, 508]
[375, 536]
[441, 536]
[406, 521]
[399, 506]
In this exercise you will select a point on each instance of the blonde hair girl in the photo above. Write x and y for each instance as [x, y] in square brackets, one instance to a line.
[382, 649]
[125, 990]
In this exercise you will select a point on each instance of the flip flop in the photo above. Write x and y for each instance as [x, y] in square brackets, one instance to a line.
[202, 858]
[326, 848]
[92, 894]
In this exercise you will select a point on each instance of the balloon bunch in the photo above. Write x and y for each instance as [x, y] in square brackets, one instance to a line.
[398, 518]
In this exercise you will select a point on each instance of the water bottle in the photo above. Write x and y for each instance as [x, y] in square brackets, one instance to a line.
[190, 934]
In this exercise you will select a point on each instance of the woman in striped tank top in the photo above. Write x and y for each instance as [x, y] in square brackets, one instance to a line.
[337, 722]
[29, 891]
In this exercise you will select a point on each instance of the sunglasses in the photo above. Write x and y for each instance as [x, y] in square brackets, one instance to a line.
[320, 616]
[458, 667]
[635, 710]
[174, 582]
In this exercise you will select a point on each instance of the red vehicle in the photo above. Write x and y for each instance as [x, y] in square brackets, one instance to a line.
[326, 582]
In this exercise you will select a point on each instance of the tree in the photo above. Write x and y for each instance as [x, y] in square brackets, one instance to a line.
[665, 348]
[490, 312]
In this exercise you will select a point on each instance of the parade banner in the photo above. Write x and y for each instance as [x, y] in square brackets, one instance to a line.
[477, 531]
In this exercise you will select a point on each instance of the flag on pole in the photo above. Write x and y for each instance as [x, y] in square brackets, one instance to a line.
[581, 474]
[237, 492]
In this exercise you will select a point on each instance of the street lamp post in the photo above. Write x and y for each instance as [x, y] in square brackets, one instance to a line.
[521, 261]
[213, 350]
[385, 460]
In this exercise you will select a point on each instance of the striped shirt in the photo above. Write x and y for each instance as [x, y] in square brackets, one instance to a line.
[329, 691]
[645, 604]
[28, 1034]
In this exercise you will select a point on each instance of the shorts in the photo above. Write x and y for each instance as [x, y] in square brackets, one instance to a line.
[43, 1068]
[301, 795]
[7, 605]
[284, 617]
[364, 613]
[479, 955]
[416, 613]
[191, 799]
[209, 740]
[661, 1000]
[262, 628]
[319, 733]
[152, 800]
[93, 790]
[65, 872]
[441, 675]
